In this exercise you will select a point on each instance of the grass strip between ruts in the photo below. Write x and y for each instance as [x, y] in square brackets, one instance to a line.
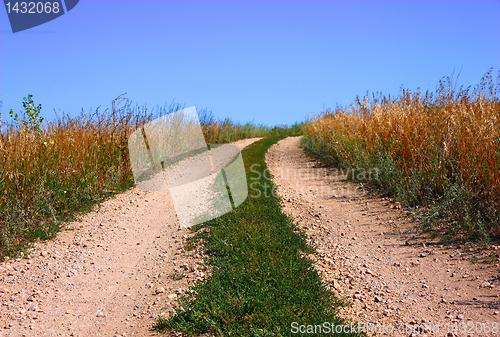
[261, 280]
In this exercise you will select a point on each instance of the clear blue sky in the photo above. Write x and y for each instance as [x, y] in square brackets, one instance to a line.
[270, 62]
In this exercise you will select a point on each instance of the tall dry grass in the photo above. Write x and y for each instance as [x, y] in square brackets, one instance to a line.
[75, 162]
[440, 150]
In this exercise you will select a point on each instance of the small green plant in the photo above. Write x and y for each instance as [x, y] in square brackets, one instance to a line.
[490, 260]
[31, 120]
[177, 276]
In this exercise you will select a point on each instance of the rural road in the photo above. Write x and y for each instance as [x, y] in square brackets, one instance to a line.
[371, 255]
[114, 272]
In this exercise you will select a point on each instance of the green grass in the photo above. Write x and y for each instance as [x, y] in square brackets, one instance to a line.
[261, 280]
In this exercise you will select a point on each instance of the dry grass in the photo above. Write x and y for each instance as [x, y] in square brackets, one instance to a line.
[440, 150]
[47, 177]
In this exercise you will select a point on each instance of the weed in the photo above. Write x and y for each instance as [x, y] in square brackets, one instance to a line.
[490, 260]
[31, 120]
[177, 276]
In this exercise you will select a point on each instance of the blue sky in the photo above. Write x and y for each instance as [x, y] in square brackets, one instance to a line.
[271, 62]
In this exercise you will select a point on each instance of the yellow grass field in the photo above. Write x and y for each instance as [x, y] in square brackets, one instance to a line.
[51, 171]
[440, 150]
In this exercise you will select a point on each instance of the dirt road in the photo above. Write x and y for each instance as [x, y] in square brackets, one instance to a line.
[372, 256]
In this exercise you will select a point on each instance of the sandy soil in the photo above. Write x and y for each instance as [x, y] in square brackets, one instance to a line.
[371, 255]
[110, 274]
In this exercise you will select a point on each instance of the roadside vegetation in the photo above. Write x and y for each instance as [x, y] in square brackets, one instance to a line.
[261, 280]
[438, 153]
[50, 171]
[225, 131]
